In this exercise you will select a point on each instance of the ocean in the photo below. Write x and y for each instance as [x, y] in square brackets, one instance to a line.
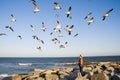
[26, 65]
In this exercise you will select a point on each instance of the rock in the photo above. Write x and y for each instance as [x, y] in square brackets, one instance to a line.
[51, 77]
[50, 72]
[87, 68]
[68, 70]
[115, 77]
[56, 69]
[100, 76]
[7, 78]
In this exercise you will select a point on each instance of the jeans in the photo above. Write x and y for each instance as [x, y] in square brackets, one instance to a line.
[81, 69]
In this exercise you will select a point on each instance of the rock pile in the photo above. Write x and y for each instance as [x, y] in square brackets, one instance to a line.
[93, 71]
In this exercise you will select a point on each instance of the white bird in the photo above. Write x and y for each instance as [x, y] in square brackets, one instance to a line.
[43, 27]
[32, 27]
[58, 27]
[19, 36]
[106, 14]
[60, 33]
[69, 29]
[10, 28]
[90, 21]
[88, 15]
[36, 9]
[57, 6]
[68, 12]
[1, 34]
[33, 1]
[13, 18]
[39, 48]
[55, 40]
[63, 45]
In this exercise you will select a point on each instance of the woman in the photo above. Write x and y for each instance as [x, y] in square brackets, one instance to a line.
[80, 63]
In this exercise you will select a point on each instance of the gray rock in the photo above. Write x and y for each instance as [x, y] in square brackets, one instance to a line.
[115, 77]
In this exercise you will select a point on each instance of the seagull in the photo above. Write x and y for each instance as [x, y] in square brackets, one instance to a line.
[63, 45]
[1, 34]
[10, 28]
[58, 27]
[55, 40]
[106, 14]
[35, 37]
[60, 33]
[41, 41]
[56, 15]
[69, 29]
[19, 36]
[13, 18]
[90, 21]
[88, 15]
[43, 27]
[76, 35]
[57, 6]
[39, 48]
[68, 12]
[51, 33]
[36, 9]
[32, 27]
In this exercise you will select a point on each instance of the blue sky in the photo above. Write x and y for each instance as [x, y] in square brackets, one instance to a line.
[100, 38]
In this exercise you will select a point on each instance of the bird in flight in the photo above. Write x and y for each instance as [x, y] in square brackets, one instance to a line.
[57, 6]
[58, 27]
[55, 40]
[13, 18]
[9, 27]
[36, 9]
[69, 29]
[88, 15]
[43, 27]
[68, 12]
[35, 37]
[63, 45]
[76, 35]
[106, 14]
[60, 33]
[32, 27]
[1, 34]
[90, 21]
[19, 36]
[39, 48]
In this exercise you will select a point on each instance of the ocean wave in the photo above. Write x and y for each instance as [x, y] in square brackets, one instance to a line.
[25, 64]
[65, 64]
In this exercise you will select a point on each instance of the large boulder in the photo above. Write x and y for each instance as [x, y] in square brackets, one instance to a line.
[100, 76]
[51, 77]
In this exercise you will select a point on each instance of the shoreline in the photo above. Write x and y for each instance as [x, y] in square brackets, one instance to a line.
[91, 71]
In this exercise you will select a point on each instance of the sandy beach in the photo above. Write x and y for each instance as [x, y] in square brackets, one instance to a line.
[91, 71]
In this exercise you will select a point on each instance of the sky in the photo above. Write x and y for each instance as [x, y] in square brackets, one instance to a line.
[100, 38]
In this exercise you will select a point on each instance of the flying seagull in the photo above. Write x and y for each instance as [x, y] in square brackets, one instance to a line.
[58, 27]
[13, 18]
[10, 28]
[43, 27]
[90, 21]
[19, 36]
[63, 45]
[39, 48]
[1, 34]
[69, 29]
[41, 41]
[106, 14]
[55, 40]
[33, 1]
[60, 33]
[88, 15]
[57, 6]
[36, 9]
[32, 27]
[76, 35]
[68, 12]
[35, 37]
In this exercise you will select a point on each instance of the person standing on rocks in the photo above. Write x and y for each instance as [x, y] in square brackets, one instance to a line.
[80, 63]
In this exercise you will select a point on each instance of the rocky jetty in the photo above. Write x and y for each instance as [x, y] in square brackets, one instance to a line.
[93, 71]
